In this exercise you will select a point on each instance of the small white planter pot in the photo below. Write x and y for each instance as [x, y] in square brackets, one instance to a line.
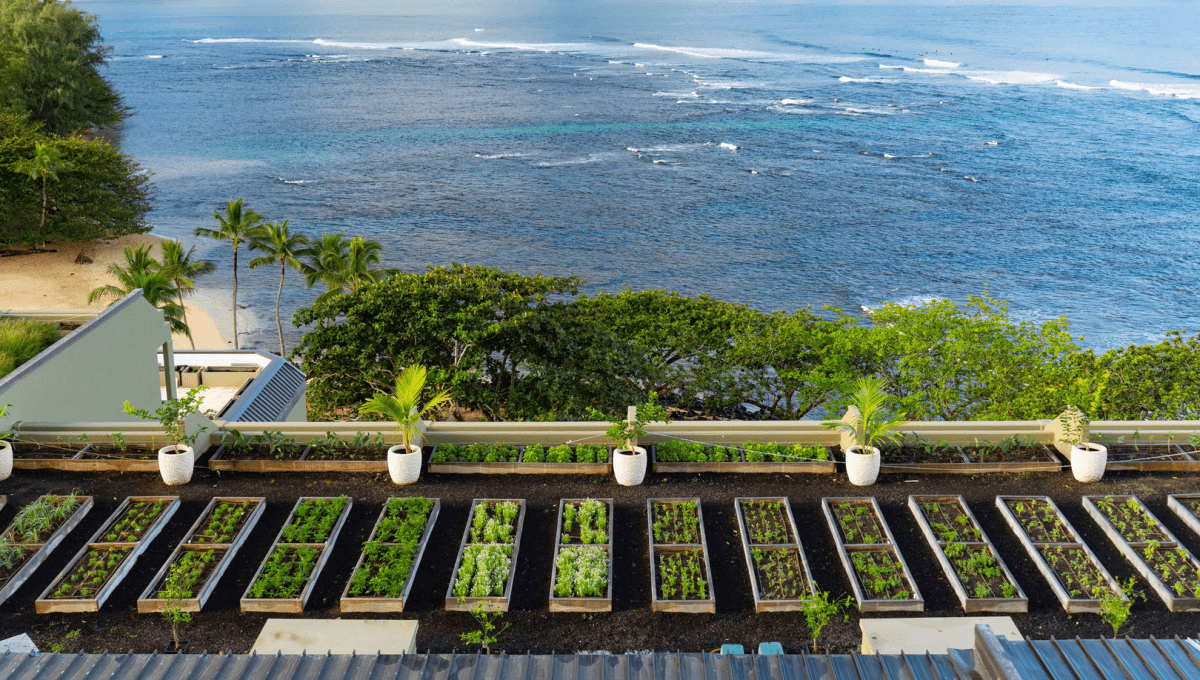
[629, 468]
[404, 466]
[5, 460]
[1088, 461]
[862, 468]
[175, 464]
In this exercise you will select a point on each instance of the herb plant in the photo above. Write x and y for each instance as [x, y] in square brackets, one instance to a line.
[581, 572]
[682, 574]
[91, 573]
[475, 453]
[783, 453]
[494, 522]
[286, 572]
[38, 520]
[675, 523]
[173, 416]
[820, 607]
[483, 571]
[313, 520]
[487, 620]
[585, 522]
[387, 564]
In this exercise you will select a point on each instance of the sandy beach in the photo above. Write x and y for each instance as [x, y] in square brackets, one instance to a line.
[54, 281]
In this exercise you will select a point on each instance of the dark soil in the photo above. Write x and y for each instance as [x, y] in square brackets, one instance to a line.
[631, 626]
[1143, 451]
[768, 522]
[689, 568]
[918, 454]
[36, 451]
[1040, 522]
[216, 532]
[1023, 454]
[779, 574]
[862, 522]
[260, 452]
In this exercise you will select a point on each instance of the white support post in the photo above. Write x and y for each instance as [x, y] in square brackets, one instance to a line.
[631, 417]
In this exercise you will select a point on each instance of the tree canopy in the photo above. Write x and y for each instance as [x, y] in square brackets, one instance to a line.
[103, 194]
[50, 54]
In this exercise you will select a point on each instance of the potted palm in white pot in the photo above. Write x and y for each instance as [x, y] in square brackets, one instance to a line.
[1088, 460]
[629, 460]
[866, 424]
[177, 460]
[6, 452]
[404, 460]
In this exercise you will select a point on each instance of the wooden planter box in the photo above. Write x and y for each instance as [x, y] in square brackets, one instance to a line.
[1018, 604]
[886, 546]
[45, 605]
[707, 606]
[294, 605]
[303, 464]
[1176, 502]
[1072, 604]
[1179, 460]
[581, 604]
[762, 604]
[516, 468]
[564, 468]
[1134, 553]
[494, 603]
[741, 465]
[147, 603]
[389, 604]
[83, 462]
[967, 467]
[42, 550]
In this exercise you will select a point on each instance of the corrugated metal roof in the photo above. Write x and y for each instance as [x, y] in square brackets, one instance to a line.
[271, 396]
[657, 666]
[1150, 659]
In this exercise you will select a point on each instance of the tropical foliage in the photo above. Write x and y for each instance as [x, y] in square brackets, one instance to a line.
[50, 53]
[60, 189]
[142, 271]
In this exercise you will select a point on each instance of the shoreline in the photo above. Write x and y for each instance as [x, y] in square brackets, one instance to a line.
[53, 281]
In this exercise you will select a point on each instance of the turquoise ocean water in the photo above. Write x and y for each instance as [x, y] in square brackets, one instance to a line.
[781, 154]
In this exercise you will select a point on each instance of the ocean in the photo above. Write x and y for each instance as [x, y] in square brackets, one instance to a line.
[781, 154]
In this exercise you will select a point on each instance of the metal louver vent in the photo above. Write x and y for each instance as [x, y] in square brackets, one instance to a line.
[270, 397]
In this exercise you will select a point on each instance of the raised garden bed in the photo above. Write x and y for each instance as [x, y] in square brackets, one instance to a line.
[34, 533]
[680, 575]
[586, 459]
[271, 451]
[581, 573]
[477, 459]
[285, 579]
[98, 568]
[487, 557]
[1154, 552]
[974, 568]
[689, 457]
[205, 552]
[84, 457]
[1150, 457]
[1015, 454]
[1074, 573]
[779, 574]
[879, 577]
[384, 573]
[1187, 507]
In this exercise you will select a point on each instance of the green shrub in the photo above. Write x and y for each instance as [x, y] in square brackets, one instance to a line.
[783, 453]
[535, 453]
[22, 340]
[475, 453]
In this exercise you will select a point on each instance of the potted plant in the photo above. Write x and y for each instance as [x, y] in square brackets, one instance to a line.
[6, 452]
[176, 461]
[404, 461]
[867, 424]
[1088, 460]
[629, 463]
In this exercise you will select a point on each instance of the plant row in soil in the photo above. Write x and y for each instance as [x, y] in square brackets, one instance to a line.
[38, 520]
[675, 523]
[1040, 521]
[967, 550]
[388, 558]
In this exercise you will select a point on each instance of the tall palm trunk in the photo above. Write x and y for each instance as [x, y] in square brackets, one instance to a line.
[184, 310]
[235, 333]
[278, 294]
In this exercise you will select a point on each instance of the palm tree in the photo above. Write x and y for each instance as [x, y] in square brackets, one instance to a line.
[237, 225]
[46, 163]
[283, 248]
[404, 406]
[179, 267]
[342, 264]
[143, 271]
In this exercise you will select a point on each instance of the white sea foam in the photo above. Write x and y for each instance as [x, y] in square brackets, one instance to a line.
[848, 79]
[941, 64]
[795, 110]
[910, 301]
[660, 162]
[724, 53]
[479, 30]
[855, 110]
[1180, 90]
[991, 143]
[495, 156]
[888, 155]
[209, 41]
[293, 181]
[677, 95]
[727, 145]
[154, 56]
[1010, 77]
[971, 179]
[1072, 86]
[787, 102]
